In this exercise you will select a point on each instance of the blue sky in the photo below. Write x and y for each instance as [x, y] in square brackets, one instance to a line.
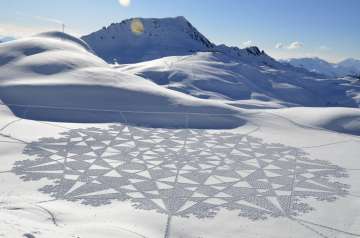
[329, 29]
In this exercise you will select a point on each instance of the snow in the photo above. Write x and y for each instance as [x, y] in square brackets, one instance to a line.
[344, 120]
[260, 79]
[173, 53]
[200, 144]
[31, 210]
[156, 38]
[352, 64]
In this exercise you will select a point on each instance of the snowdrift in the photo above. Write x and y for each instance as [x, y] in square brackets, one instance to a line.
[56, 77]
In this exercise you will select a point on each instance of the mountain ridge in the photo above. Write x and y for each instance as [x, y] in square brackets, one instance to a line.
[172, 53]
[159, 37]
[347, 67]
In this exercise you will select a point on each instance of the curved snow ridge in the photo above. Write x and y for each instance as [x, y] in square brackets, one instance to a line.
[343, 120]
[65, 37]
[55, 77]
[43, 42]
[45, 54]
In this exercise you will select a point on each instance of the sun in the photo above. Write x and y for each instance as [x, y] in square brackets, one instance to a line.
[125, 3]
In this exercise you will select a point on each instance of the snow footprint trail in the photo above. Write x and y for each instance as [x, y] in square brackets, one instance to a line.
[327, 228]
[180, 172]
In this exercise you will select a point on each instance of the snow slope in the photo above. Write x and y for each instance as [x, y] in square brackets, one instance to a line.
[344, 120]
[52, 71]
[246, 80]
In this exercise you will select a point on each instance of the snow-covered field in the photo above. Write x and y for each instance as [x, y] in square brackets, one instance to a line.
[209, 144]
[276, 176]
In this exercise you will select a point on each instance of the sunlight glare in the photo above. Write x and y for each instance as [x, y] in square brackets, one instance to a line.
[137, 26]
[125, 3]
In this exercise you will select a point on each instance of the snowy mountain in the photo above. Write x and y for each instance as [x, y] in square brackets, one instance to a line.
[142, 39]
[135, 40]
[344, 68]
[352, 64]
[186, 61]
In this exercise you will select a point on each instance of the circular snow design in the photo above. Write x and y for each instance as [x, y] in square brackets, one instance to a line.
[180, 172]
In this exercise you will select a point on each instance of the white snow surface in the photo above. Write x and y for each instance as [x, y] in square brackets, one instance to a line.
[27, 210]
[344, 120]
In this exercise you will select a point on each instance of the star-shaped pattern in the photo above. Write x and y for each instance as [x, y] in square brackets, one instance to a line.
[180, 172]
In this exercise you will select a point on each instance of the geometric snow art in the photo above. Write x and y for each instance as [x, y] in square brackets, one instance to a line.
[180, 172]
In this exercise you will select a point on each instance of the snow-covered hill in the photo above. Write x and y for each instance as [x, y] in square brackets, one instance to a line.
[344, 68]
[246, 81]
[53, 71]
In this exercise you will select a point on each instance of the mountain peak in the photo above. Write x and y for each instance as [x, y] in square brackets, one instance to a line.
[142, 39]
[254, 50]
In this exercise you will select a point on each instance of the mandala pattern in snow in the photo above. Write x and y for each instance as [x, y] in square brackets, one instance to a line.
[180, 172]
